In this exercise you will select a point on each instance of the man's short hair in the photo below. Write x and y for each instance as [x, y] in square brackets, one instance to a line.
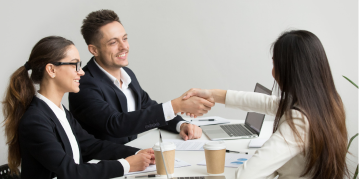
[91, 25]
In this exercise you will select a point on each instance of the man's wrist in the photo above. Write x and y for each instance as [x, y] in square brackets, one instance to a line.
[183, 125]
[176, 105]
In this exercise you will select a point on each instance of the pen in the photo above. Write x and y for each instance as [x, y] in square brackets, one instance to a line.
[205, 120]
[147, 176]
[231, 151]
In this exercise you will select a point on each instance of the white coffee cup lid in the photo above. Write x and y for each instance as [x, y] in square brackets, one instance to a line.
[214, 145]
[166, 146]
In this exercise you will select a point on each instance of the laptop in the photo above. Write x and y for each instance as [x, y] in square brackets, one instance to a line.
[169, 176]
[250, 129]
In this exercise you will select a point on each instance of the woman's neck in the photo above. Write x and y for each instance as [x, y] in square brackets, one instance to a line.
[51, 92]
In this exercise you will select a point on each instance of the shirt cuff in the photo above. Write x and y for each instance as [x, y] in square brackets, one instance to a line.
[126, 165]
[168, 111]
[178, 126]
[136, 152]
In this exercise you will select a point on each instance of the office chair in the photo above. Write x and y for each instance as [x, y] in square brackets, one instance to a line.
[5, 173]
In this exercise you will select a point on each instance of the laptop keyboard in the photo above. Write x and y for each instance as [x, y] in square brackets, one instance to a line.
[198, 177]
[235, 130]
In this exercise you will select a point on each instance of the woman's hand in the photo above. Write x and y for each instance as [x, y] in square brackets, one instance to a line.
[213, 95]
[202, 93]
[151, 152]
[139, 162]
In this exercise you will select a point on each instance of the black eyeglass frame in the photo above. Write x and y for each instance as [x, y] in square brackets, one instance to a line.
[77, 64]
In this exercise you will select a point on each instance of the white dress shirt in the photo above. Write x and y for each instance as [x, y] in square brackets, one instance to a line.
[61, 116]
[131, 104]
[281, 154]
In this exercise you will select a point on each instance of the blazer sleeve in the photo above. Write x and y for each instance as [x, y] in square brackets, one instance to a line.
[92, 148]
[40, 140]
[252, 102]
[93, 108]
[147, 102]
[280, 148]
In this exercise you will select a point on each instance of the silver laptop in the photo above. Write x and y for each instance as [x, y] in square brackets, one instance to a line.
[188, 177]
[250, 129]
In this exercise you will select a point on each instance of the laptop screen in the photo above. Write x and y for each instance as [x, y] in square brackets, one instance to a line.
[255, 120]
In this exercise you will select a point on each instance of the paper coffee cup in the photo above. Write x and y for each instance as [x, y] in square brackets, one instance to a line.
[168, 149]
[215, 152]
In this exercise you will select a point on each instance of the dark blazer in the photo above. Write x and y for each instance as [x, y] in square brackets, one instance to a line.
[46, 151]
[101, 108]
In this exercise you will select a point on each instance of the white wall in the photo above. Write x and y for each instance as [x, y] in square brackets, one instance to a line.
[177, 45]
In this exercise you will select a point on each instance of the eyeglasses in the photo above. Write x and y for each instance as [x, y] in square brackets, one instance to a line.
[78, 64]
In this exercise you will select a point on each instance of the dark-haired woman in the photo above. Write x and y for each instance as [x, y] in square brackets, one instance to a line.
[309, 134]
[43, 136]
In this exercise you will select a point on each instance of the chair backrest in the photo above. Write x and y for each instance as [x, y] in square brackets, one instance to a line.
[5, 173]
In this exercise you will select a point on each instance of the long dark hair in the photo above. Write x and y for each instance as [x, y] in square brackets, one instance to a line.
[21, 90]
[305, 80]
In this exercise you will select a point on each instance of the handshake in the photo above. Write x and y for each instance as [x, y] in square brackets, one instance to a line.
[194, 102]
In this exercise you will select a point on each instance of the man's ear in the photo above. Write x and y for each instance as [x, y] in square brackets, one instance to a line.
[93, 50]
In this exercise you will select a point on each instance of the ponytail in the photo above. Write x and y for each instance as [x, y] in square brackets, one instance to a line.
[21, 90]
[17, 99]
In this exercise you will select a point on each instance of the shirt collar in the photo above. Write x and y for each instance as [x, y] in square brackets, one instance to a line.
[125, 78]
[58, 111]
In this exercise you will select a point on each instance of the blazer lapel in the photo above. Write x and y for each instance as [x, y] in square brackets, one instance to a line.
[136, 90]
[49, 113]
[100, 75]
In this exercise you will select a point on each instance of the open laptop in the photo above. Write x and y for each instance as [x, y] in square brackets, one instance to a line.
[250, 129]
[169, 176]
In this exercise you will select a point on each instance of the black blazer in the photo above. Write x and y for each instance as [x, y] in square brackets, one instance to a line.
[46, 151]
[101, 108]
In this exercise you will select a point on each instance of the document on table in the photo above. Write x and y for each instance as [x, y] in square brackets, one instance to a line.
[232, 160]
[187, 145]
[178, 164]
[217, 120]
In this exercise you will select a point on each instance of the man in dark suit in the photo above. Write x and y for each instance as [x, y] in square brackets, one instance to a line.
[111, 104]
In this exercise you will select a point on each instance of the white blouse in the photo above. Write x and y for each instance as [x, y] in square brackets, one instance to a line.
[281, 155]
[61, 115]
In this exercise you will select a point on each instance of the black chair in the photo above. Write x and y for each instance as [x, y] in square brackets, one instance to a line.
[5, 173]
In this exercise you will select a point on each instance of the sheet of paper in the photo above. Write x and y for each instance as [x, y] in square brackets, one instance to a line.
[187, 145]
[217, 120]
[178, 164]
[232, 160]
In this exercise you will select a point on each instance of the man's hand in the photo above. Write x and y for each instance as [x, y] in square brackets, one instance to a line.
[202, 93]
[190, 131]
[151, 152]
[139, 162]
[194, 105]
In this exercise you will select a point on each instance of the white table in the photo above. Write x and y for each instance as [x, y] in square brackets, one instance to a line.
[193, 157]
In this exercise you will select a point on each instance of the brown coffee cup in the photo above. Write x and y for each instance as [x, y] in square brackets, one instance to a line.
[169, 150]
[215, 152]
